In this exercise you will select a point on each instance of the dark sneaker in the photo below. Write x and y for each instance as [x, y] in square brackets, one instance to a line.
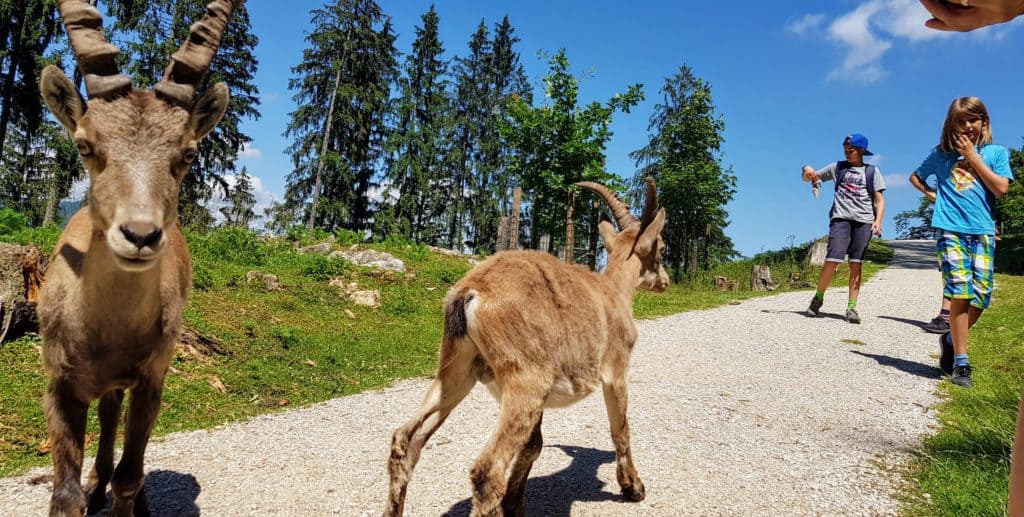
[962, 376]
[945, 355]
[815, 308]
[937, 326]
[852, 316]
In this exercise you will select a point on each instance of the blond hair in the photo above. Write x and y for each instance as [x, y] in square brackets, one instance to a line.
[960, 109]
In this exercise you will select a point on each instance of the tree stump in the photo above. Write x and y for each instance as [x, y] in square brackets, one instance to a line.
[817, 253]
[761, 278]
[21, 276]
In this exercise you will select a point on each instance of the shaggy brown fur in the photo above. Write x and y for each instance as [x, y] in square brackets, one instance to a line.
[538, 333]
[110, 309]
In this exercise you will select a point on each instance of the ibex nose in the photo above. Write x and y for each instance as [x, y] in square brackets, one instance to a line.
[142, 235]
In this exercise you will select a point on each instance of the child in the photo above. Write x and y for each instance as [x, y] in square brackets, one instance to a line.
[971, 172]
[856, 213]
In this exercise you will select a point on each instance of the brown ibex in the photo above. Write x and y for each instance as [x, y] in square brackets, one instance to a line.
[111, 306]
[538, 333]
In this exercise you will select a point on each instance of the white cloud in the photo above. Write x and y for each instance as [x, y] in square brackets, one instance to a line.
[250, 153]
[808, 23]
[871, 29]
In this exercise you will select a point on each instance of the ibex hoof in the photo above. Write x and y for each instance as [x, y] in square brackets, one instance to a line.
[634, 493]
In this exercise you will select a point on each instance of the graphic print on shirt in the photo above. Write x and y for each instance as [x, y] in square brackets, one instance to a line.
[962, 176]
[852, 185]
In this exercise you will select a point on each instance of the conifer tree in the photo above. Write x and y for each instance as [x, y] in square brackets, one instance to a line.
[351, 40]
[240, 202]
[683, 156]
[417, 171]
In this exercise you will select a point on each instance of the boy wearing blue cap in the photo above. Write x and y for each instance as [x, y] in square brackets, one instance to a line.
[856, 213]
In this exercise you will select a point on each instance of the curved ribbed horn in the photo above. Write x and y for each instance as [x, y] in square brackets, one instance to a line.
[651, 205]
[95, 56]
[190, 63]
[619, 209]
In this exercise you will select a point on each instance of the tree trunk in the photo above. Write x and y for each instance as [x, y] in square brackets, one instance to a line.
[21, 276]
[513, 223]
[817, 253]
[761, 278]
[323, 150]
[595, 219]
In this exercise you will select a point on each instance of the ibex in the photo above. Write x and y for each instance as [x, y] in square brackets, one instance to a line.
[539, 334]
[111, 306]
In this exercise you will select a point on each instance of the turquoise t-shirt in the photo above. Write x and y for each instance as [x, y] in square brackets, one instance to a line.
[963, 204]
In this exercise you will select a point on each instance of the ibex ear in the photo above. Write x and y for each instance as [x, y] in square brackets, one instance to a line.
[209, 109]
[61, 96]
[650, 235]
[607, 230]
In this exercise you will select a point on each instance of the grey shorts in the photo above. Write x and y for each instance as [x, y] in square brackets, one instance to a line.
[847, 238]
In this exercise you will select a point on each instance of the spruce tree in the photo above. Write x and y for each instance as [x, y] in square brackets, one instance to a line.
[417, 172]
[683, 156]
[353, 41]
[240, 202]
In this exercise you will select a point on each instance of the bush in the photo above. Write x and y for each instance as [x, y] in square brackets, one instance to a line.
[229, 244]
[12, 222]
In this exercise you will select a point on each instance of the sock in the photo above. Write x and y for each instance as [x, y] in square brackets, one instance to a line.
[944, 314]
[851, 304]
[960, 360]
[819, 295]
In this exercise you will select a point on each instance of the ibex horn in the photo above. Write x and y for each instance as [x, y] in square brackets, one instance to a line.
[96, 57]
[190, 63]
[651, 205]
[619, 209]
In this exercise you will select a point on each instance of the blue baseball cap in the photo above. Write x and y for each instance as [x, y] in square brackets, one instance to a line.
[858, 140]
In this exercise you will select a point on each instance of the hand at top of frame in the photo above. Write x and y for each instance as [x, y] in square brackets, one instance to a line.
[967, 15]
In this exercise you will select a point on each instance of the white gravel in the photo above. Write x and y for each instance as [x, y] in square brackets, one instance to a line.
[749, 409]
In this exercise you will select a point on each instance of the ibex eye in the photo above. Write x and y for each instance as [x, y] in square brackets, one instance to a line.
[189, 155]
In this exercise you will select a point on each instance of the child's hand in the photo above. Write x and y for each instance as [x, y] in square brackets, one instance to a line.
[876, 229]
[970, 15]
[810, 175]
[964, 145]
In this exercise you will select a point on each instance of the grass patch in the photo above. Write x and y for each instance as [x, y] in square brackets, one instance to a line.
[964, 468]
[849, 341]
[300, 346]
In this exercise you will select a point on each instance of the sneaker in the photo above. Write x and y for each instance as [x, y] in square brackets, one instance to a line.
[962, 376]
[945, 354]
[815, 308]
[937, 325]
[852, 316]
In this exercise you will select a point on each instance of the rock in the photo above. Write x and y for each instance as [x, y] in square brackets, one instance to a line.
[444, 251]
[270, 282]
[366, 298]
[323, 248]
[371, 258]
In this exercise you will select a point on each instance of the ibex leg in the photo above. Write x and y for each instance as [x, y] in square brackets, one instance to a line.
[127, 481]
[65, 421]
[103, 468]
[615, 400]
[521, 411]
[453, 382]
[514, 503]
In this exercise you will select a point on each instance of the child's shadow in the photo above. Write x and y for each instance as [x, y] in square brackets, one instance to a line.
[903, 365]
[805, 314]
[169, 494]
[555, 493]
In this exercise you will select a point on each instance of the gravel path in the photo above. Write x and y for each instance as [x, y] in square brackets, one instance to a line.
[748, 409]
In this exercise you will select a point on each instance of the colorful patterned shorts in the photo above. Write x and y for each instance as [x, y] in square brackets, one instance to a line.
[967, 267]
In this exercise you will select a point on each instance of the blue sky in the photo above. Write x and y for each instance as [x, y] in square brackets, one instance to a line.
[790, 79]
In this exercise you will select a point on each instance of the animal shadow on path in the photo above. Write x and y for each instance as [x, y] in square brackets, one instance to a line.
[555, 493]
[804, 314]
[903, 365]
[169, 494]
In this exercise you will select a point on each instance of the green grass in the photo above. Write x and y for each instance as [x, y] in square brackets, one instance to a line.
[964, 467]
[297, 347]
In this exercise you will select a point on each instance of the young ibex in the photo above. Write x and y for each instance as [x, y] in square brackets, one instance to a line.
[110, 310]
[539, 334]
